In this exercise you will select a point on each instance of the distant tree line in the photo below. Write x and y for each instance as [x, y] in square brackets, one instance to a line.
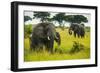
[60, 18]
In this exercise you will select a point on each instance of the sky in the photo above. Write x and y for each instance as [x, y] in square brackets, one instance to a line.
[36, 21]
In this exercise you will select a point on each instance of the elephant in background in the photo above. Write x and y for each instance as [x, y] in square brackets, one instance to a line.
[44, 34]
[77, 29]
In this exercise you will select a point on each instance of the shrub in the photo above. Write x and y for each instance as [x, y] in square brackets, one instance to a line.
[27, 30]
[76, 47]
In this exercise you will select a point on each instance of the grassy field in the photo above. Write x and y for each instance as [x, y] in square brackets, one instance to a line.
[64, 49]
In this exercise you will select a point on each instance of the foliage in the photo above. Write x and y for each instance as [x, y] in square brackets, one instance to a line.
[77, 47]
[43, 16]
[26, 18]
[76, 18]
[60, 18]
[27, 30]
[87, 29]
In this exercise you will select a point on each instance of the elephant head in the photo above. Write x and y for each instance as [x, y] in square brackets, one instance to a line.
[52, 35]
[70, 31]
[72, 28]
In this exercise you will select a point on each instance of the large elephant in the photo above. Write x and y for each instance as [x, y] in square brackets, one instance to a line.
[44, 34]
[77, 29]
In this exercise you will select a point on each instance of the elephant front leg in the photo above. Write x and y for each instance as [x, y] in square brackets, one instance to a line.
[51, 46]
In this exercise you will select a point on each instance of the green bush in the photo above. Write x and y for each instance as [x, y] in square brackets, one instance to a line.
[27, 30]
[76, 47]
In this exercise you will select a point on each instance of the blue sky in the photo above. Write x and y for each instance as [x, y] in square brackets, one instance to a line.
[35, 21]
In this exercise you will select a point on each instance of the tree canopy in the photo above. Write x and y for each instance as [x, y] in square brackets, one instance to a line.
[26, 18]
[60, 18]
[76, 18]
[43, 16]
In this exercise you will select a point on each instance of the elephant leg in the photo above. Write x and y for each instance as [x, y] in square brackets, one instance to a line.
[33, 47]
[82, 34]
[78, 35]
[40, 43]
[51, 46]
[33, 44]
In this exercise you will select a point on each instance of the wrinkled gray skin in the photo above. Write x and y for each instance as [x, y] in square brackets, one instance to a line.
[44, 34]
[77, 29]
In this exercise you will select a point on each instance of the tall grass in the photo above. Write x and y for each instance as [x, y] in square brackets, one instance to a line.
[62, 52]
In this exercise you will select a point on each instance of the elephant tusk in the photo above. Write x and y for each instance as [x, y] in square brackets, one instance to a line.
[48, 38]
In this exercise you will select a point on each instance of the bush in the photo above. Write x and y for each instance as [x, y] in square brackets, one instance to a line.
[87, 29]
[27, 30]
[76, 47]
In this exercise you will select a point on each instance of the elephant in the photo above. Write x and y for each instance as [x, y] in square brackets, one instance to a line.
[44, 34]
[77, 29]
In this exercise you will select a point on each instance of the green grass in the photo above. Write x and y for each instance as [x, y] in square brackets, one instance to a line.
[67, 42]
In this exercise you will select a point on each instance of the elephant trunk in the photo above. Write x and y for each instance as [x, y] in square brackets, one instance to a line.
[70, 31]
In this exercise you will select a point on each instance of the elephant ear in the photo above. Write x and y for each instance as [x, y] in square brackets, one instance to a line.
[58, 38]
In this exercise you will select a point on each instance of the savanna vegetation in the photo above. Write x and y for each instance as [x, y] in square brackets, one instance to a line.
[71, 47]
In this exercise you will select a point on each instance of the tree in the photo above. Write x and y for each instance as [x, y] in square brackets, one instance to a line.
[43, 16]
[60, 18]
[76, 18]
[26, 18]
